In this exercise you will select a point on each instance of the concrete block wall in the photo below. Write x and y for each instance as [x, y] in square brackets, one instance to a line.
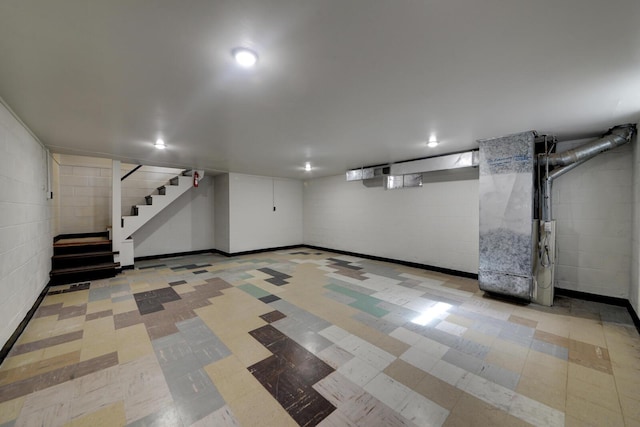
[436, 224]
[25, 222]
[593, 209]
[634, 288]
[84, 195]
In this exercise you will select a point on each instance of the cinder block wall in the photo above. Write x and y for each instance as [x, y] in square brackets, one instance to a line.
[25, 222]
[593, 207]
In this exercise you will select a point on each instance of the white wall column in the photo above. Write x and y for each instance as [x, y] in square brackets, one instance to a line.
[116, 209]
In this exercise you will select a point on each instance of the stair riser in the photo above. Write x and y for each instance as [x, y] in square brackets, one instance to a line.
[66, 250]
[63, 279]
[79, 262]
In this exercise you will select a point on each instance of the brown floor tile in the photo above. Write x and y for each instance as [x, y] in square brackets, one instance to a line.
[47, 342]
[551, 338]
[590, 356]
[523, 321]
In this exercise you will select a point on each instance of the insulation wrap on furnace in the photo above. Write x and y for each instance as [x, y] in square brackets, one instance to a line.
[506, 214]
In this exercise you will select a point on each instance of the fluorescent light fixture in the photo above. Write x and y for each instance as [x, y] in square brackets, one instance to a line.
[160, 144]
[307, 167]
[432, 313]
[246, 58]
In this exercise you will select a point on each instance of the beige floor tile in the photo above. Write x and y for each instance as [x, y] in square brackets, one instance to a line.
[472, 412]
[21, 360]
[99, 338]
[591, 413]
[438, 391]
[40, 367]
[59, 349]
[460, 320]
[588, 331]
[109, 416]
[598, 394]
[132, 342]
[10, 409]
[223, 368]
[101, 305]
[124, 306]
[236, 385]
[553, 395]
[391, 345]
[511, 361]
[405, 373]
[248, 350]
[479, 337]
[67, 325]
[258, 408]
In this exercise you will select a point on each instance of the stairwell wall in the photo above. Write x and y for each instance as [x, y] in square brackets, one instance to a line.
[25, 222]
[85, 191]
[185, 225]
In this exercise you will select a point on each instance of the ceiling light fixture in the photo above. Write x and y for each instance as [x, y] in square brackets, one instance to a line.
[307, 167]
[433, 142]
[245, 57]
[160, 144]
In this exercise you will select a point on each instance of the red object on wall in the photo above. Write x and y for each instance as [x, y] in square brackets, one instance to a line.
[196, 178]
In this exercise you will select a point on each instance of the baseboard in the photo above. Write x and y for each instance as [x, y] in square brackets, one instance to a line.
[401, 262]
[21, 327]
[257, 251]
[620, 302]
[80, 235]
[174, 254]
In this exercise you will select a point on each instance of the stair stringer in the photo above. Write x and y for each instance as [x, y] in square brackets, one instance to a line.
[131, 224]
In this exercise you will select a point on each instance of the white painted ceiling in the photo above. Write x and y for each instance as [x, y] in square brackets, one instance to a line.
[340, 84]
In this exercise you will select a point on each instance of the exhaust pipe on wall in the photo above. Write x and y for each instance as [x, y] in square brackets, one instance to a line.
[615, 137]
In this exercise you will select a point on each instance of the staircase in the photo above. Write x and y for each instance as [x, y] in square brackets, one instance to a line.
[82, 257]
[141, 214]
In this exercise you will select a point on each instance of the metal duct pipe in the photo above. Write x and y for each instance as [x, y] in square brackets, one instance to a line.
[616, 137]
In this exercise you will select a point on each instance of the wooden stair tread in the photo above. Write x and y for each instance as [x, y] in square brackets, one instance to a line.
[83, 255]
[61, 244]
[86, 268]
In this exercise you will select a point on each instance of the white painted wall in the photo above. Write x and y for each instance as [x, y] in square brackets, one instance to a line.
[634, 288]
[253, 222]
[26, 243]
[221, 212]
[185, 225]
[436, 224]
[593, 207]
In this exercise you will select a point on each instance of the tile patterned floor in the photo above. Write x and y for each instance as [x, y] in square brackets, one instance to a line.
[309, 338]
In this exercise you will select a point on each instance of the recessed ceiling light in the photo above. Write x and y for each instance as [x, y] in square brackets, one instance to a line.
[160, 144]
[307, 167]
[246, 58]
[433, 142]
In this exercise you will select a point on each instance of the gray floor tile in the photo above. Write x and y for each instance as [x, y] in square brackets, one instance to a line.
[499, 375]
[461, 360]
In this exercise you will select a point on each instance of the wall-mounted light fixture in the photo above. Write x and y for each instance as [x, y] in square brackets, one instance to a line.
[307, 167]
[160, 145]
